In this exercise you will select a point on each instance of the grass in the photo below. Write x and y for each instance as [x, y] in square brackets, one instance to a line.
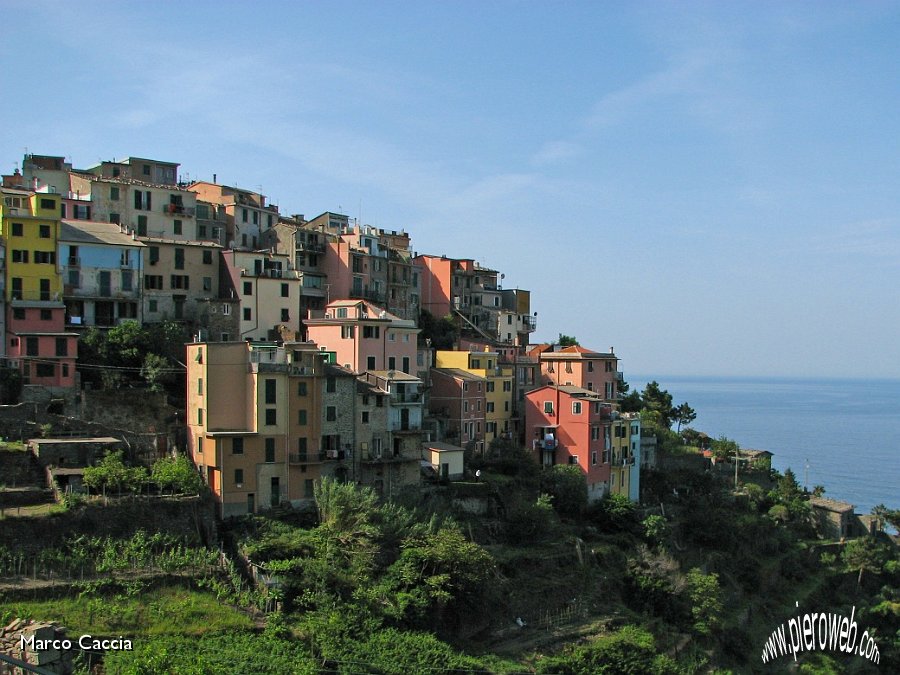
[169, 610]
[12, 446]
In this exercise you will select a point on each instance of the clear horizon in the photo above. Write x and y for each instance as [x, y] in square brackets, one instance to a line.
[710, 187]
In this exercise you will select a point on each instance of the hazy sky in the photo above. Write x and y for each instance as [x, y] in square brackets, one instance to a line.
[712, 188]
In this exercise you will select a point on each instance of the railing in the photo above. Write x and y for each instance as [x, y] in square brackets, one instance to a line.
[366, 294]
[310, 247]
[178, 210]
[305, 457]
[406, 397]
[74, 261]
[529, 323]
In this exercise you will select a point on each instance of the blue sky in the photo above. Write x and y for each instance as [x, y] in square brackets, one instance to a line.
[712, 188]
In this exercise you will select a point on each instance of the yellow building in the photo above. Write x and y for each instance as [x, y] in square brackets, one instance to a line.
[499, 409]
[30, 227]
[624, 477]
[253, 422]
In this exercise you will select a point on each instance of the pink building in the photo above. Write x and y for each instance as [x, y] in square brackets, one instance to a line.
[457, 400]
[364, 337]
[36, 343]
[571, 425]
[579, 367]
[436, 279]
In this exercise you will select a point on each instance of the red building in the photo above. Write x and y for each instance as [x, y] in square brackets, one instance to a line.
[571, 425]
[579, 367]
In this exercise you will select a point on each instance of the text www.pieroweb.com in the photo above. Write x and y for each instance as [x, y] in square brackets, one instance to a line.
[820, 631]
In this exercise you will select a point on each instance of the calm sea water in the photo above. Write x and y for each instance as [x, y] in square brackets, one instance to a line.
[847, 431]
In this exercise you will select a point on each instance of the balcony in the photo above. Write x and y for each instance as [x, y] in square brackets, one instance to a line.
[73, 261]
[385, 458]
[310, 247]
[178, 210]
[406, 397]
[529, 323]
[366, 294]
[305, 457]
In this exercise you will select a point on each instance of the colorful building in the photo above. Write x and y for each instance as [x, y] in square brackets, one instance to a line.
[457, 403]
[365, 337]
[579, 367]
[571, 425]
[253, 422]
[102, 273]
[499, 412]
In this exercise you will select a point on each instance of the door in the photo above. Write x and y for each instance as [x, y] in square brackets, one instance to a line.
[404, 419]
[276, 491]
[251, 507]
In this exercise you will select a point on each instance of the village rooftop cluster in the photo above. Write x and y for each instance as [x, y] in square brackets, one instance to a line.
[309, 357]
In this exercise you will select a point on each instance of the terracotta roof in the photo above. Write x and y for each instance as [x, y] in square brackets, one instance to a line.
[458, 372]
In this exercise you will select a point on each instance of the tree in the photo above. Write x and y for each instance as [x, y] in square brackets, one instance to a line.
[154, 371]
[725, 448]
[10, 385]
[567, 485]
[659, 401]
[631, 402]
[864, 554]
[113, 472]
[656, 529]
[706, 600]
[443, 332]
[567, 340]
[683, 414]
[177, 475]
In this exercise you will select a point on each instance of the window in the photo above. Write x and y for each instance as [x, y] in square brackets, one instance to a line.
[489, 387]
[19, 256]
[207, 257]
[237, 446]
[370, 363]
[146, 169]
[16, 288]
[181, 281]
[392, 363]
[301, 389]
[478, 405]
[115, 218]
[48, 204]
[590, 366]
[31, 346]
[372, 332]
[179, 258]
[45, 231]
[271, 417]
[379, 401]
[142, 226]
[285, 291]
[365, 417]
[271, 389]
[489, 407]
[239, 477]
[270, 450]
[548, 407]
[200, 416]
[62, 346]
[330, 384]
[465, 406]
[595, 433]
[576, 407]
[142, 201]
[17, 229]
[199, 386]
[207, 283]
[476, 363]
[594, 458]
[285, 314]
[248, 315]
[19, 313]
[200, 445]
[114, 192]
[81, 211]
[244, 215]
[45, 257]
[301, 416]
[392, 337]
[177, 226]
[330, 413]
[248, 288]
[226, 310]
[347, 332]
[126, 280]
[507, 385]
[153, 253]
[44, 370]
[153, 306]
[73, 279]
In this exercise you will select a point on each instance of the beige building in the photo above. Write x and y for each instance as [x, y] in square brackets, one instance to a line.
[247, 213]
[253, 422]
[178, 274]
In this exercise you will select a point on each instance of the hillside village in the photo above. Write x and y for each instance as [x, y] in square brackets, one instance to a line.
[247, 441]
[309, 357]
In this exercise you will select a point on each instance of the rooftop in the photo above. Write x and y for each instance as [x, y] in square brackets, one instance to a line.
[459, 373]
[95, 232]
[830, 504]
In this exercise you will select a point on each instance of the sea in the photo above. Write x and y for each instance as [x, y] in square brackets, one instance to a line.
[843, 434]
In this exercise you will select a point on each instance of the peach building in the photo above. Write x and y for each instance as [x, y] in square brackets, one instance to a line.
[253, 422]
[362, 336]
[579, 367]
